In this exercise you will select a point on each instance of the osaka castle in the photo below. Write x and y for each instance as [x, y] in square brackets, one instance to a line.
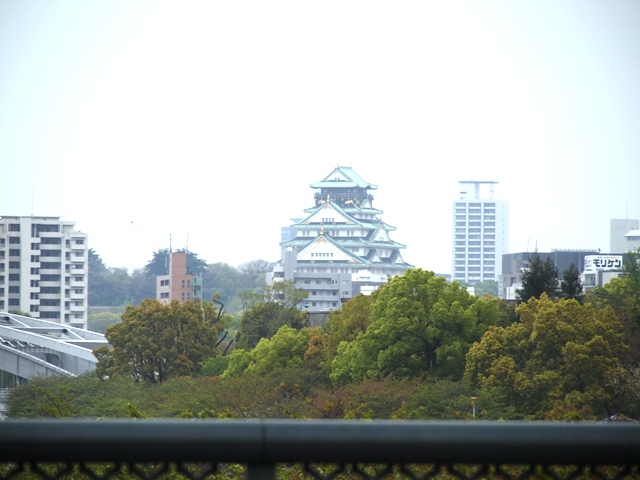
[341, 247]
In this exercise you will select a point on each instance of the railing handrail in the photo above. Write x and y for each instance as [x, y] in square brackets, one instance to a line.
[276, 441]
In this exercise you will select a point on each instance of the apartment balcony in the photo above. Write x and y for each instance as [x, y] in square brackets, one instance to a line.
[74, 283]
[50, 284]
[49, 308]
[50, 246]
[49, 235]
[76, 296]
[50, 271]
[49, 296]
[76, 308]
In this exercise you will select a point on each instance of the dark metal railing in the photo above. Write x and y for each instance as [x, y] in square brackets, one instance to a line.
[267, 448]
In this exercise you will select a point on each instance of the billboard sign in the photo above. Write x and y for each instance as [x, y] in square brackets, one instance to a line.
[602, 262]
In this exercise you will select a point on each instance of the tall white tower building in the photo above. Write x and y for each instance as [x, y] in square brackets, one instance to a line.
[43, 269]
[480, 233]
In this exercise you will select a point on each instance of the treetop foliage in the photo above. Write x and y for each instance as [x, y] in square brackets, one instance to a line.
[560, 351]
[154, 342]
[420, 323]
[264, 313]
[540, 277]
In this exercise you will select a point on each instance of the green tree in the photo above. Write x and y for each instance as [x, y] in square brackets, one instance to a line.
[346, 324]
[623, 296]
[264, 319]
[223, 279]
[254, 271]
[98, 322]
[540, 277]
[287, 348]
[571, 285]
[560, 351]
[155, 341]
[420, 324]
[107, 286]
[141, 287]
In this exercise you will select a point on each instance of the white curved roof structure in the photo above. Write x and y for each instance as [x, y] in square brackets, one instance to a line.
[31, 346]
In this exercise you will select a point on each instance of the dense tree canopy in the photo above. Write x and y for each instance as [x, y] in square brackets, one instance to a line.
[560, 351]
[540, 277]
[571, 286]
[254, 271]
[420, 323]
[107, 286]
[346, 324]
[287, 348]
[154, 341]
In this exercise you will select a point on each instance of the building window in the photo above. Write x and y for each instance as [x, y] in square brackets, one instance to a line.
[489, 224]
[313, 292]
[14, 264]
[14, 227]
[460, 224]
[14, 277]
[14, 252]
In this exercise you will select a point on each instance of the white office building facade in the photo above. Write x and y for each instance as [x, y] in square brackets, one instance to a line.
[480, 234]
[43, 269]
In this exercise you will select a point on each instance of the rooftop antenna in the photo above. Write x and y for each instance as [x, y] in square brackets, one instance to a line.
[170, 251]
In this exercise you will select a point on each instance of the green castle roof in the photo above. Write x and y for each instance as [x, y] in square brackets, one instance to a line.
[343, 177]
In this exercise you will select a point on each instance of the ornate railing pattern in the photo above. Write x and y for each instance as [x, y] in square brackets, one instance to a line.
[154, 449]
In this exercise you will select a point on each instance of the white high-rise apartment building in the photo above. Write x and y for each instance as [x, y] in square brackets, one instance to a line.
[480, 233]
[43, 269]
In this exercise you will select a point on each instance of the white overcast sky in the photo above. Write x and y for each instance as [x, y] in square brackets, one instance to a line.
[140, 120]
